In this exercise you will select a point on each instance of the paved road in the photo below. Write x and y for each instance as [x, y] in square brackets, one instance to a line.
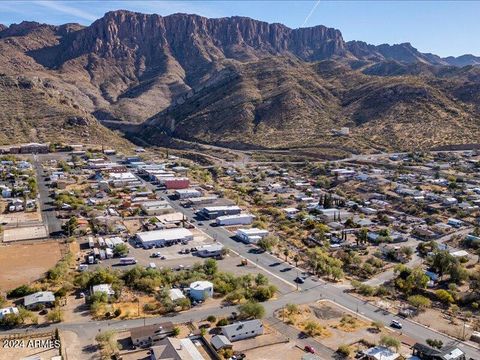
[54, 225]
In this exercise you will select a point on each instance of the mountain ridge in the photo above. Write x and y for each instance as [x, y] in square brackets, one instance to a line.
[247, 83]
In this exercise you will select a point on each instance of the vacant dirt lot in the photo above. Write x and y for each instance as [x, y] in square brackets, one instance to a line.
[24, 263]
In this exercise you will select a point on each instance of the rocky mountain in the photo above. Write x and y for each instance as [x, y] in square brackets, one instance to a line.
[246, 83]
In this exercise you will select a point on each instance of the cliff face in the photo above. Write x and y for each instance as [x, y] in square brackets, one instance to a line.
[121, 32]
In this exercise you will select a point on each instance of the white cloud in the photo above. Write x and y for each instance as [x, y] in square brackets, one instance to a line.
[67, 9]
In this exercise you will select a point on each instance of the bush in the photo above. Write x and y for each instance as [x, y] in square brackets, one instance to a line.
[344, 350]
[252, 310]
[117, 312]
[419, 301]
[211, 318]
[222, 322]
[444, 296]
[20, 291]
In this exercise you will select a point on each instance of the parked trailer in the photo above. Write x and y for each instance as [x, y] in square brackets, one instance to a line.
[103, 255]
[101, 242]
[109, 243]
[109, 253]
[128, 261]
[91, 243]
[96, 253]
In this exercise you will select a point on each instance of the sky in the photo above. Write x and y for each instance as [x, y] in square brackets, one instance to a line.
[441, 27]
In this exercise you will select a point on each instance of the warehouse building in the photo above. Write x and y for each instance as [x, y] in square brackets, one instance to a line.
[212, 212]
[164, 237]
[186, 193]
[210, 250]
[157, 207]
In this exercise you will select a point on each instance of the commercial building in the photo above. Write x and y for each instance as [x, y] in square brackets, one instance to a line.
[243, 330]
[156, 207]
[212, 212]
[251, 236]
[201, 290]
[175, 182]
[187, 193]
[240, 219]
[164, 237]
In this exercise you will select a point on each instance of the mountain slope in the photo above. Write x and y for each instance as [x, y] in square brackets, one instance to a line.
[240, 82]
[34, 111]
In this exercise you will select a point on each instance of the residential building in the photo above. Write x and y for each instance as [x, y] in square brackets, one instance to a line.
[201, 290]
[220, 342]
[45, 298]
[380, 353]
[251, 236]
[425, 352]
[147, 335]
[175, 349]
[103, 288]
[243, 330]
[12, 310]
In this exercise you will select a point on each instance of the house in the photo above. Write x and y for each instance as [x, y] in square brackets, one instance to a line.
[291, 212]
[12, 310]
[164, 237]
[175, 349]
[45, 298]
[146, 335]
[425, 352]
[210, 250]
[175, 294]
[380, 353]
[455, 223]
[220, 342]
[243, 330]
[201, 290]
[103, 288]
[251, 236]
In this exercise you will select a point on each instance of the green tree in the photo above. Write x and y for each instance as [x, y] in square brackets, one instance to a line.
[120, 250]
[55, 315]
[390, 342]
[210, 267]
[444, 296]
[312, 328]
[420, 302]
[252, 309]
[268, 242]
[70, 226]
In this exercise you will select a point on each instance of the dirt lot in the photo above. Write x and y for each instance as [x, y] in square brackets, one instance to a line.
[24, 233]
[24, 263]
[337, 326]
[20, 217]
[288, 351]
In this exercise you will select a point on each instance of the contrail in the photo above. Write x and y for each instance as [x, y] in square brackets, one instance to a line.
[311, 12]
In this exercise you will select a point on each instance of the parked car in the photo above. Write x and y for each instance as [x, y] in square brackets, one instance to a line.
[299, 280]
[156, 255]
[396, 324]
[309, 349]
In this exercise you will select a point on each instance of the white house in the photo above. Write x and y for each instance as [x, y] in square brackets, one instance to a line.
[251, 236]
[103, 288]
[7, 311]
[210, 250]
[175, 294]
[243, 330]
[201, 290]
[45, 298]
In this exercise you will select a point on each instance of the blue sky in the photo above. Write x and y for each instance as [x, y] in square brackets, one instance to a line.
[441, 27]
